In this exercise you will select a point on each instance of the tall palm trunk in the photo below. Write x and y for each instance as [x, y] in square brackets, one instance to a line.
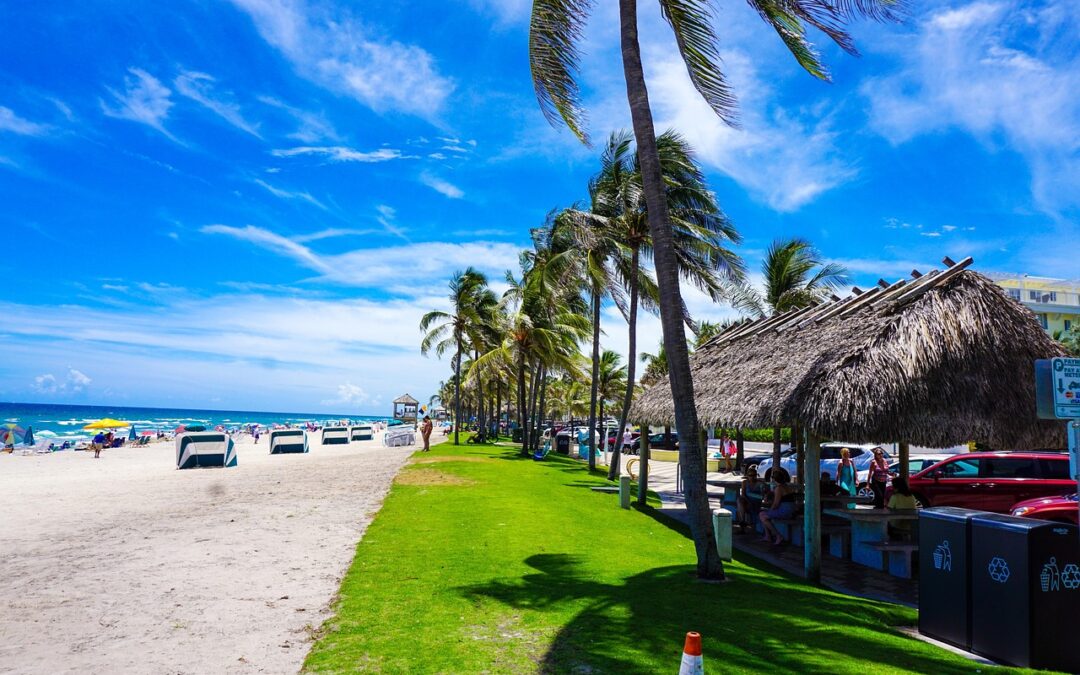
[498, 408]
[709, 565]
[776, 446]
[480, 416]
[457, 389]
[540, 406]
[595, 374]
[635, 260]
[522, 406]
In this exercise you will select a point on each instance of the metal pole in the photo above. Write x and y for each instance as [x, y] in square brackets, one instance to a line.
[812, 509]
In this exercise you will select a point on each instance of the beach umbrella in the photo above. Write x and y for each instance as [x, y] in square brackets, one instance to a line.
[131, 434]
[148, 433]
[10, 433]
[28, 437]
[107, 423]
[195, 427]
[180, 429]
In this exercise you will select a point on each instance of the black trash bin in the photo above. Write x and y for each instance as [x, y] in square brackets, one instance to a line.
[944, 574]
[562, 444]
[1025, 588]
[516, 435]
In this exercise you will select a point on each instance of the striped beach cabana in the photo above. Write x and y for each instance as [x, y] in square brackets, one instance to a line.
[361, 432]
[284, 441]
[335, 436]
[204, 449]
[937, 360]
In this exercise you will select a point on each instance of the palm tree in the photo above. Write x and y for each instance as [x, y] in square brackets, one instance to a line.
[700, 232]
[795, 276]
[556, 28]
[446, 330]
[611, 381]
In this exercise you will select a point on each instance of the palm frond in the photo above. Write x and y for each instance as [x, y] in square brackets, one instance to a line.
[691, 21]
[555, 30]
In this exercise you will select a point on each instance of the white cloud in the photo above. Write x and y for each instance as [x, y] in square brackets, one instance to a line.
[199, 87]
[441, 186]
[376, 267]
[144, 100]
[286, 194]
[343, 154]
[75, 382]
[348, 394]
[1005, 73]
[313, 126]
[9, 121]
[272, 242]
[783, 158]
[506, 12]
[333, 232]
[341, 54]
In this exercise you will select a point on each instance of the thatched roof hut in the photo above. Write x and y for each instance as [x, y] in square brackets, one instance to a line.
[936, 361]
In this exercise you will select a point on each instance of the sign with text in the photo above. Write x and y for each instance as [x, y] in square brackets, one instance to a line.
[1066, 387]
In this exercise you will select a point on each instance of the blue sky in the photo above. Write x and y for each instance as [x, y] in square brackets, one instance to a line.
[250, 204]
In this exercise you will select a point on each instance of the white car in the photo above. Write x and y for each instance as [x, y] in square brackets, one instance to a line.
[861, 454]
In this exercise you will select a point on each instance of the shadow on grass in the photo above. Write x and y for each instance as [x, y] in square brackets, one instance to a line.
[756, 622]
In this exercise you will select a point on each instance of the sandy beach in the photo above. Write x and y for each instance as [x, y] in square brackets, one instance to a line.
[124, 564]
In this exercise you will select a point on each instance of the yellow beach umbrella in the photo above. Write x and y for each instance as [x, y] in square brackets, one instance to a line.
[106, 423]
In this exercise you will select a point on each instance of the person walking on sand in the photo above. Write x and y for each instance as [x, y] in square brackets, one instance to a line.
[98, 443]
[425, 433]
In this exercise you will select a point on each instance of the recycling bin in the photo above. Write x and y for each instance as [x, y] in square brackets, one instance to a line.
[944, 574]
[1025, 588]
[562, 444]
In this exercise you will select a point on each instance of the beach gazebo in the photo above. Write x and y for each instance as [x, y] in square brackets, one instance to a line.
[405, 408]
[936, 360]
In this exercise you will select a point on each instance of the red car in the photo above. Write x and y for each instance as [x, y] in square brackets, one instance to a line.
[993, 481]
[1060, 509]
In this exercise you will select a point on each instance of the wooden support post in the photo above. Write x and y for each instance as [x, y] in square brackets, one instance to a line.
[643, 473]
[739, 454]
[905, 459]
[812, 509]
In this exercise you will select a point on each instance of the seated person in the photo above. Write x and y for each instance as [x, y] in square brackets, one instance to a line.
[782, 507]
[902, 500]
[829, 488]
[750, 499]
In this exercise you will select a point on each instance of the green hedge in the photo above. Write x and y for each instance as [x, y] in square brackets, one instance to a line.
[758, 435]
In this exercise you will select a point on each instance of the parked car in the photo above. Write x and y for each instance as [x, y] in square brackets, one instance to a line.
[1061, 509]
[830, 458]
[757, 458]
[915, 465]
[993, 481]
[657, 442]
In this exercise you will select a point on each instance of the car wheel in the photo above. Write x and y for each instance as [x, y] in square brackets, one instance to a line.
[865, 491]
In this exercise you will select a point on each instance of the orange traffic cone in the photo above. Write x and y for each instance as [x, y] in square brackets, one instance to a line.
[691, 658]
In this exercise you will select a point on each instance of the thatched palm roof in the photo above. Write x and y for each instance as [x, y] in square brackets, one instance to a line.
[937, 361]
[405, 399]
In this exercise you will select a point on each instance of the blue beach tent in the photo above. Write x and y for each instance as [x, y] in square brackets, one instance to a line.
[204, 449]
[288, 440]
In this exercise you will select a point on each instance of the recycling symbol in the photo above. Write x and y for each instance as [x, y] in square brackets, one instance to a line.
[999, 570]
[1070, 576]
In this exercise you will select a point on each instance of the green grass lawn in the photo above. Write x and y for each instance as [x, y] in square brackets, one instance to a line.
[480, 561]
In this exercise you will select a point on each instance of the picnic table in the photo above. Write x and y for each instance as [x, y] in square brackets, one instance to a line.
[870, 544]
[732, 488]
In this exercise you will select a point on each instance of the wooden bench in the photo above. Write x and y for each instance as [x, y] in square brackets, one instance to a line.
[790, 529]
[899, 555]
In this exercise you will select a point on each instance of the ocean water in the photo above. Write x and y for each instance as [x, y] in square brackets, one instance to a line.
[67, 421]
